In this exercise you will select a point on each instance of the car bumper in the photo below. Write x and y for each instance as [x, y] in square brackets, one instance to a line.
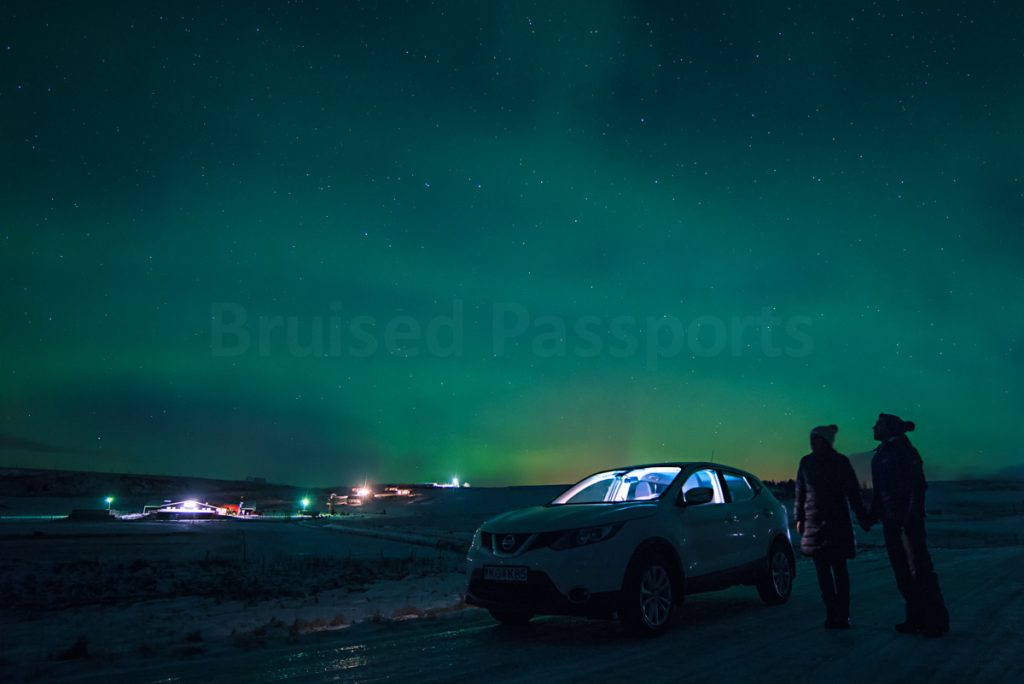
[582, 581]
[538, 595]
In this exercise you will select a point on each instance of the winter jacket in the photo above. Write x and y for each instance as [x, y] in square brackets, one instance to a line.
[897, 475]
[826, 489]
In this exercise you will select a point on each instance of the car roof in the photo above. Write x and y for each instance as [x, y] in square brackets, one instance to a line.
[681, 464]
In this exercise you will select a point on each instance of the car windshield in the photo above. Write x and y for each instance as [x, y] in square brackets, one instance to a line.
[614, 486]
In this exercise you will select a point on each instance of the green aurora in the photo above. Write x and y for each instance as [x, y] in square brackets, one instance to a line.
[564, 212]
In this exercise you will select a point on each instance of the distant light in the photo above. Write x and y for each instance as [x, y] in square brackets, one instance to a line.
[191, 504]
[455, 482]
[363, 491]
[305, 502]
[109, 500]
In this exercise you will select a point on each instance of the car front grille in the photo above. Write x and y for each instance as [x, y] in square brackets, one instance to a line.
[514, 543]
[509, 543]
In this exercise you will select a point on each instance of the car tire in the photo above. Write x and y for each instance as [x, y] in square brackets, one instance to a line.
[776, 584]
[649, 595]
[513, 618]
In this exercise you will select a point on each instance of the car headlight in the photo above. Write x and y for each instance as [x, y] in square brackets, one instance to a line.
[584, 536]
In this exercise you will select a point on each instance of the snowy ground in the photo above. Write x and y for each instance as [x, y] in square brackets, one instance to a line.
[378, 595]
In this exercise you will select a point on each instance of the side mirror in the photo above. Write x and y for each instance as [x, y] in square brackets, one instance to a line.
[697, 496]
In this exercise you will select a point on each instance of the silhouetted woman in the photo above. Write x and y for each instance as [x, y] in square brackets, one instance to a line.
[897, 475]
[826, 488]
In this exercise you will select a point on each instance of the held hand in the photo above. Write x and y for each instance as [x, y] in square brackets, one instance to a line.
[867, 522]
[800, 526]
[913, 518]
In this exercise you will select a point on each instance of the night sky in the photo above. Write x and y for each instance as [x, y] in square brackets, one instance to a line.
[514, 243]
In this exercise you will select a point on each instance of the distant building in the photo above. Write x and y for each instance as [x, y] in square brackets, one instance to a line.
[397, 491]
[239, 510]
[184, 510]
[335, 500]
[360, 495]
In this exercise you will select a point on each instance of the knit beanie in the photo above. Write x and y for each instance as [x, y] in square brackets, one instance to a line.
[895, 424]
[826, 432]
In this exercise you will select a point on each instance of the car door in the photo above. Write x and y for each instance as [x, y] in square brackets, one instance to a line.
[742, 517]
[704, 544]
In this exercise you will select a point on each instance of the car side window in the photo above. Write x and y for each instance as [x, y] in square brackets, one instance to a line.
[739, 488]
[705, 478]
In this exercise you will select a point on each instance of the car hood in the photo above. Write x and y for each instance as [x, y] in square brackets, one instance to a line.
[568, 517]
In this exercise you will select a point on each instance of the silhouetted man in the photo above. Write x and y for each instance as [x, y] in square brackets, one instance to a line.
[898, 479]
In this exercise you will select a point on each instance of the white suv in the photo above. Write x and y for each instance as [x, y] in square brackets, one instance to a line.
[633, 542]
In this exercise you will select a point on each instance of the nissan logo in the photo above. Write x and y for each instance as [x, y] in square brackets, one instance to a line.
[508, 542]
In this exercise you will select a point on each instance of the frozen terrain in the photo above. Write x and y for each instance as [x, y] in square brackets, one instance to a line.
[377, 596]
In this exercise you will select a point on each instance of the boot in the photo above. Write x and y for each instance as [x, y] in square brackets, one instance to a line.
[936, 616]
[830, 611]
[912, 624]
[837, 619]
[842, 614]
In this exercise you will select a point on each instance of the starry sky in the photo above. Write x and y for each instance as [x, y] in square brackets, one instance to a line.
[510, 242]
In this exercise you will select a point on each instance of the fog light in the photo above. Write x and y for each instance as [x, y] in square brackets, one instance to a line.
[578, 595]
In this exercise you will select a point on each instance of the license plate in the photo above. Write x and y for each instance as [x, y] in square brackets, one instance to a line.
[502, 573]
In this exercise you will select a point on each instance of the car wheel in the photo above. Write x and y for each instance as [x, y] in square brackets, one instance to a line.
[648, 596]
[776, 584]
[514, 618]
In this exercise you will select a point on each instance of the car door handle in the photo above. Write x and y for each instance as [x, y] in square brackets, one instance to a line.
[731, 518]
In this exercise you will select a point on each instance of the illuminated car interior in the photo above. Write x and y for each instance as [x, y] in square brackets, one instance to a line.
[705, 478]
[618, 486]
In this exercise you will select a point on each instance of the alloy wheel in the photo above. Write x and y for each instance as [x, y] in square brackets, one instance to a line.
[782, 573]
[655, 596]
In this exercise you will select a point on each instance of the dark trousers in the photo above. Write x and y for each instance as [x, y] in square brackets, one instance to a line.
[834, 581]
[915, 575]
